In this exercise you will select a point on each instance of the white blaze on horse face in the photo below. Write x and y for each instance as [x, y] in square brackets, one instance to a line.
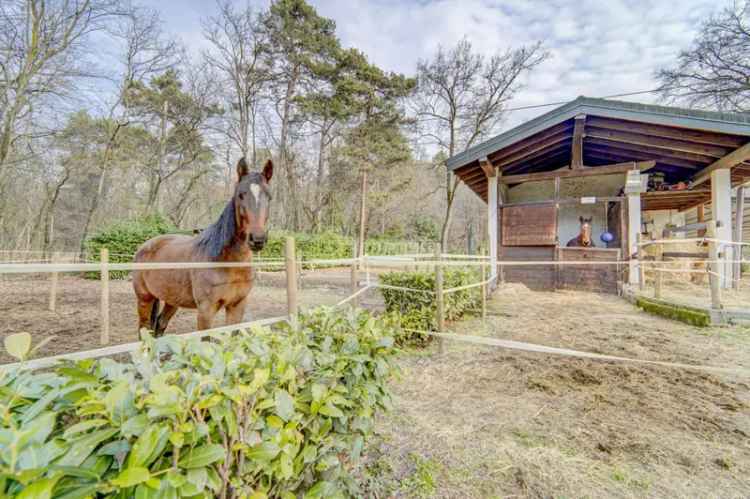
[255, 191]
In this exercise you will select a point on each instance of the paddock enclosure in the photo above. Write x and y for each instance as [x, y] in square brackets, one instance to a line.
[564, 383]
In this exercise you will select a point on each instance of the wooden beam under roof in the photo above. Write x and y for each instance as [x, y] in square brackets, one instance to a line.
[576, 152]
[732, 159]
[580, 172]
[668, 132]
[698, 158]
[533, 149]
[616, 155]
[657, 142]
[487, 168]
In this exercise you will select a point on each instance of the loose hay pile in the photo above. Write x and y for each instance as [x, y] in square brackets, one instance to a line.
[484, 422]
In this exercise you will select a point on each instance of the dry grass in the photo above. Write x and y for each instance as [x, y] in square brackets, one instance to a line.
[485, 422]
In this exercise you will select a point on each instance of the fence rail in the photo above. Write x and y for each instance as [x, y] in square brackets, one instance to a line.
[291, 266]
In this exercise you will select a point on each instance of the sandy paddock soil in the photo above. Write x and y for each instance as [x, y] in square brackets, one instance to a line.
[485, 422]
[76, 326]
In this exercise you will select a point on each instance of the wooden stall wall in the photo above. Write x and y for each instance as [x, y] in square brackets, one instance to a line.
[536, 277]
[597, 278]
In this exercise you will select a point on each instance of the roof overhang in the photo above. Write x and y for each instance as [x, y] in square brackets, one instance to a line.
[686, 145]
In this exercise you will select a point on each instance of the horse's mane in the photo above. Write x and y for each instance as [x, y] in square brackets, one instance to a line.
[219, 234]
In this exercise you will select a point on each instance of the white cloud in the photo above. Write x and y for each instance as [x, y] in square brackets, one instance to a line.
[598, 47]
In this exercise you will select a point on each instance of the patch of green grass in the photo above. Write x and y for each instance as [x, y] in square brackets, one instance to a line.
[422, 482]
[618, 475]
[527, 439]
[688, 315]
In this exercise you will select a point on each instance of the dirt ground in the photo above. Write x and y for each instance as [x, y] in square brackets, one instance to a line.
[76, 324]
[480, 421]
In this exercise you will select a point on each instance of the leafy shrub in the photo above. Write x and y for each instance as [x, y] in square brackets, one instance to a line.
[330, 245]
[417, 310]
[123, 239]
[254, 415]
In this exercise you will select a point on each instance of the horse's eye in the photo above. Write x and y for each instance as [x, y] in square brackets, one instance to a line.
[242, 196]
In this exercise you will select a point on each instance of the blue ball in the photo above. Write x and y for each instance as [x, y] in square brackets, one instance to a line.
[607, 237]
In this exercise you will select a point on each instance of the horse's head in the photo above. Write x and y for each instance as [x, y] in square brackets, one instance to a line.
[585, 230]
[251, 202]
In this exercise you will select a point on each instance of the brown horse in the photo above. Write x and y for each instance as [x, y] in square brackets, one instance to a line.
[583, 239]
[240, 229]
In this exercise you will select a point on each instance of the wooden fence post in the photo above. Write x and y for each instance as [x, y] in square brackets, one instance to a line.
[659, 275]
[483, 288]
[291, 281]
[440, 306]
[104, 260]
[53, 284]
[714, 276]
[641, 262]
[354, 276]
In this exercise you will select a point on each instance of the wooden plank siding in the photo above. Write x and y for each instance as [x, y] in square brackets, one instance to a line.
[534, 277]
[534, 225]
[595, 278]
[691, 216]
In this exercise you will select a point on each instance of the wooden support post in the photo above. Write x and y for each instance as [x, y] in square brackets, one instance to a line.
[641, 263]
[713, 266]
[104, 314]
[53, 284]
[483, 289]
[721, 212]
[354, 276]
[633, 188]
[576, 153]
[440, 305]
[659, 275]
[739, 216]
[291, 281]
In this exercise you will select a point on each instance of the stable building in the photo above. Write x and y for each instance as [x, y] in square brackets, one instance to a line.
[602, 168]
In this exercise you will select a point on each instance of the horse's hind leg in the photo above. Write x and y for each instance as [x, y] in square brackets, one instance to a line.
[146, 304]
[166, 314]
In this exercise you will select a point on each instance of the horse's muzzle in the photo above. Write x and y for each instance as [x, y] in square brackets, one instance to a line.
[256, 241]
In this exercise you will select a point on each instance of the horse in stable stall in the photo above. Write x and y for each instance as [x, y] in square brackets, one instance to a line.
[583, 239]
[240, 230]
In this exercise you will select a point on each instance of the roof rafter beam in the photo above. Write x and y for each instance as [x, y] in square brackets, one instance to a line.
[576, 153]
[580, 172]
[732, 159]
[487, 167]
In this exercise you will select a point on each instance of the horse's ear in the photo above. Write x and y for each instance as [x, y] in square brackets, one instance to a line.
[242, 168]
[580, 219]
[268, 170]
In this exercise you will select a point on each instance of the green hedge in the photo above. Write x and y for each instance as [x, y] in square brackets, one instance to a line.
[417, 310]
[331, 245]
[123, 239]
[256, 414]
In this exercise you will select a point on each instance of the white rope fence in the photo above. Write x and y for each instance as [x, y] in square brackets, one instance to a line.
[417, 260]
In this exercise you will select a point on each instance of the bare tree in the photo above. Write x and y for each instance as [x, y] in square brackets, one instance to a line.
[715, 71]
[237, 47]
[145, 51]
[460, 100]
[41, 44]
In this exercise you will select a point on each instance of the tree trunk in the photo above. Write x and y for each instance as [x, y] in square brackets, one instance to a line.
[92, 209]
[291, 177]
[363, 214]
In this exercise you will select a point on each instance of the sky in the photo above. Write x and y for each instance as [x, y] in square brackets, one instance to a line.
[598, 47]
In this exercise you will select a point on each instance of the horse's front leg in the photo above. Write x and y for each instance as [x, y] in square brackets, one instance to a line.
[236, 312]
[206, 312]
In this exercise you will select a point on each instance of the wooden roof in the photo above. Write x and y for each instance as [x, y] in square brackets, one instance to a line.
[588, 133]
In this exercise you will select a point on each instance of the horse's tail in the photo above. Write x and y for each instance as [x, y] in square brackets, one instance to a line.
[155, 317]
